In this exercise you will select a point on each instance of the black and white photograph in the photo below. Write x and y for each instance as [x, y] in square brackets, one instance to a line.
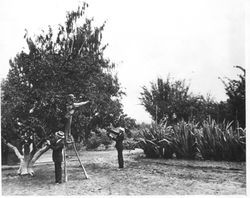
[123, 97]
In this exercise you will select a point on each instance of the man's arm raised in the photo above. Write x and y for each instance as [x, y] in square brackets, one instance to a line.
[78, 104]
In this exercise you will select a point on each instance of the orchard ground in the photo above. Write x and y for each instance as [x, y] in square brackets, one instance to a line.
[140, 176]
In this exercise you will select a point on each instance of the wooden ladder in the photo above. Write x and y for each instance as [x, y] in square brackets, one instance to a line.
[68, 142]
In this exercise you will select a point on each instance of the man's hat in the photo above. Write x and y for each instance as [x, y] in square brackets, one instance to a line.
[59, 134]
[71, 96]
[121, 129]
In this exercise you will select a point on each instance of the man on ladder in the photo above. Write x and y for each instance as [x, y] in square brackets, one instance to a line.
[70, 108]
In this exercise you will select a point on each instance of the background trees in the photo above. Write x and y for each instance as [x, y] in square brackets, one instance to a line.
[166, 99]
[194, 127]
[236, 102]
[172, 101]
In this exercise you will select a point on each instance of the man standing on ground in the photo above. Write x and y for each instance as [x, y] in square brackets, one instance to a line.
[118, 136]
[56, 144]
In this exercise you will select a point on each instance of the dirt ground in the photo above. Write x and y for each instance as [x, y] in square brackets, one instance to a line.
[140, 176]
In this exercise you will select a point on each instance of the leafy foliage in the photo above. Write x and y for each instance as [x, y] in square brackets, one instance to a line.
[97, 139]
[236, 91]
[67, 61]
[166, 99]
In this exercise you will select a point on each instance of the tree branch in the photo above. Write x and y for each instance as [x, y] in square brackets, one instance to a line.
[39, 153]
[18, 154]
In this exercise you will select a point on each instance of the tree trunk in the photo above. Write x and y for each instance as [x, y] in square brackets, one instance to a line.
[28, 159]
[25, 167]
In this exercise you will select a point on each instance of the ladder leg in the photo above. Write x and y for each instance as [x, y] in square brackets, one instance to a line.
[66, 138]
[65, 164]
[77, 155]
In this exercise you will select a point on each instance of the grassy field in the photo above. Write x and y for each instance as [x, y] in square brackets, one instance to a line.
[140, 176]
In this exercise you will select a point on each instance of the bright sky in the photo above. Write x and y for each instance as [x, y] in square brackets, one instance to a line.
[196, 40]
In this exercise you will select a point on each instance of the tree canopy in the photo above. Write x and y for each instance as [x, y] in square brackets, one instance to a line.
[67, 60]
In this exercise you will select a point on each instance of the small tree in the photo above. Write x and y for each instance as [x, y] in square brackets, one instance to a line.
[236, 91]
[167, 99]
[58, 63]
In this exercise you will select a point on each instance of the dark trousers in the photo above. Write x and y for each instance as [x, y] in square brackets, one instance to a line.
[120, 158]
[58, 172]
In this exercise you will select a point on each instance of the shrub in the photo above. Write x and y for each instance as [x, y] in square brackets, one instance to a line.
[129, 144]
[97, 139]
[93, 142]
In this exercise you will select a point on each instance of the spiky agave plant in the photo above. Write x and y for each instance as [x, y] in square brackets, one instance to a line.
[155, 141]
[184, 140]
[163, 140]
[221, 141]
[234, 143]
[207, 137]
[147, 143]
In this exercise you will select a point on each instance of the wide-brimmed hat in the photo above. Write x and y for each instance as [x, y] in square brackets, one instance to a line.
[59, 134]
[71, 96]
[121, 129]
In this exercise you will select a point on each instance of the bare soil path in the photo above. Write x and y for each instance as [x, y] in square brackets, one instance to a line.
[140, 176]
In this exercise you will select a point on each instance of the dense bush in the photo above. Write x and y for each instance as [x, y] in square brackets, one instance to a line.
[187, 140]
[97, 139]
[129, 144]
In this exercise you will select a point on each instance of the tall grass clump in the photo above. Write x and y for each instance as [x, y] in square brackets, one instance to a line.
[155, 141]
[221, 141]
[184, 140]
[188, 140]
